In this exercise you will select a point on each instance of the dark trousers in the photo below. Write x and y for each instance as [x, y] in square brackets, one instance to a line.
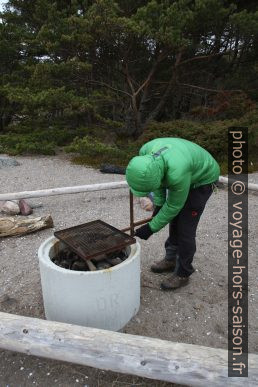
[181, 244]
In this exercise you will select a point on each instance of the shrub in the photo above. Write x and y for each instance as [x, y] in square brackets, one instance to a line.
[94, 152]
[210, 135]
[25, 144]
[91, 143]
[44, 141]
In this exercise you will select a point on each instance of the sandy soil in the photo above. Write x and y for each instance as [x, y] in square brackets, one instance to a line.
[195, 314]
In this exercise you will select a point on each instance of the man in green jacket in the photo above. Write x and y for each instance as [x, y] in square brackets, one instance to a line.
[181, 175]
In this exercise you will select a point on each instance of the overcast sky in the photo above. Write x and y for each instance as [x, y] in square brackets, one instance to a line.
[1, 3]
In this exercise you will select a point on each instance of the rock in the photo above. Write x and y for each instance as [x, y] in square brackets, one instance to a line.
[114, 261]
[65, 264]
[56, 261]
[25, 209]
[123, 255]
[8, 162]
[108, 168]
[146, 204]
[79, 265]
[10, 207]
[103, 265]
[99, 258]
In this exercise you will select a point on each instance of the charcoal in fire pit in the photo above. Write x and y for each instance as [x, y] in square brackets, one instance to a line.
[65, 263]
[103, 265]
[114, 261]
[118, 254]
[72, 255]
[63, 254]
[68, 259]
[99, 258]
[79, 265]
[56, 261]
[123, 254]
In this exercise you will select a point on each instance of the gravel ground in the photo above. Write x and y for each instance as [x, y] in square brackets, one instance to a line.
[195, 314]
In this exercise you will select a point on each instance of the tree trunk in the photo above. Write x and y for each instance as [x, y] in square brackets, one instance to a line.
[133, 126]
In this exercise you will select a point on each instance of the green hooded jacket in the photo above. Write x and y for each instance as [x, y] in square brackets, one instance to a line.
[172, 164]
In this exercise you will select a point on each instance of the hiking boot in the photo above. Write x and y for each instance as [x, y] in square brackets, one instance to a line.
[163, 266]
[174, 282]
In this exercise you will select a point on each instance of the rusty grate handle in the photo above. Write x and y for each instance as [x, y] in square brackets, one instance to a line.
[131, 214]
[138, 223]
[132, 223]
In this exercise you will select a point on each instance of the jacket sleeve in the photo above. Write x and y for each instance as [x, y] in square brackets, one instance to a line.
[176, 199]
[159, 197]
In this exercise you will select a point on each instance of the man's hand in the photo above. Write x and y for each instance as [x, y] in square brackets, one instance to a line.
[156, 210]
[144, 232]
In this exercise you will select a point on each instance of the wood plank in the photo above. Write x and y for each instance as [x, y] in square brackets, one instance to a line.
[143, 356]
[90, 265]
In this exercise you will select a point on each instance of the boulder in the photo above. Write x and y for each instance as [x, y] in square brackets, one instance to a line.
[25, 208]
[8, 162]
[10, 207]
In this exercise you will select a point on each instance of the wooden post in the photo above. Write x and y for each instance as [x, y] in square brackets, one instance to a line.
[188, 364]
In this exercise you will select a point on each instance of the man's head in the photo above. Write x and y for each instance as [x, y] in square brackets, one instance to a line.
[143, 175]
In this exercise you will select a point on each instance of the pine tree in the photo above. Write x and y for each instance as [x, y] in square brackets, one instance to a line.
[123, 63]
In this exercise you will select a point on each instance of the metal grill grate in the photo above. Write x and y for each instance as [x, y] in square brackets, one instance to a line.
[94, 238]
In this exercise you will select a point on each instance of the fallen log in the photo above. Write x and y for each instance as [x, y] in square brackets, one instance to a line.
[157, 359]
[11, 226]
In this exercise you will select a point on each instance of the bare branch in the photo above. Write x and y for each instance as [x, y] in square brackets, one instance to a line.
[129, 80]
[210, 90]
[109, 87]
[169, 86]
[151, 73]
[203, 57]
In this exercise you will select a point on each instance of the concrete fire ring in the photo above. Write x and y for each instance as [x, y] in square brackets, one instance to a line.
[104, 299]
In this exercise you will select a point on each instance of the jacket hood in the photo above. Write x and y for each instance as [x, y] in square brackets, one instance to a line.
[144, 174]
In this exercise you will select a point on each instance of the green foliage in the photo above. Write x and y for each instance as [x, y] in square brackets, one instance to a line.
[81, 63]
[94, 146]
[94, 153]
[21, 141]
[210, 135]
[225, 106]
[25, 144]
[91, 69]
